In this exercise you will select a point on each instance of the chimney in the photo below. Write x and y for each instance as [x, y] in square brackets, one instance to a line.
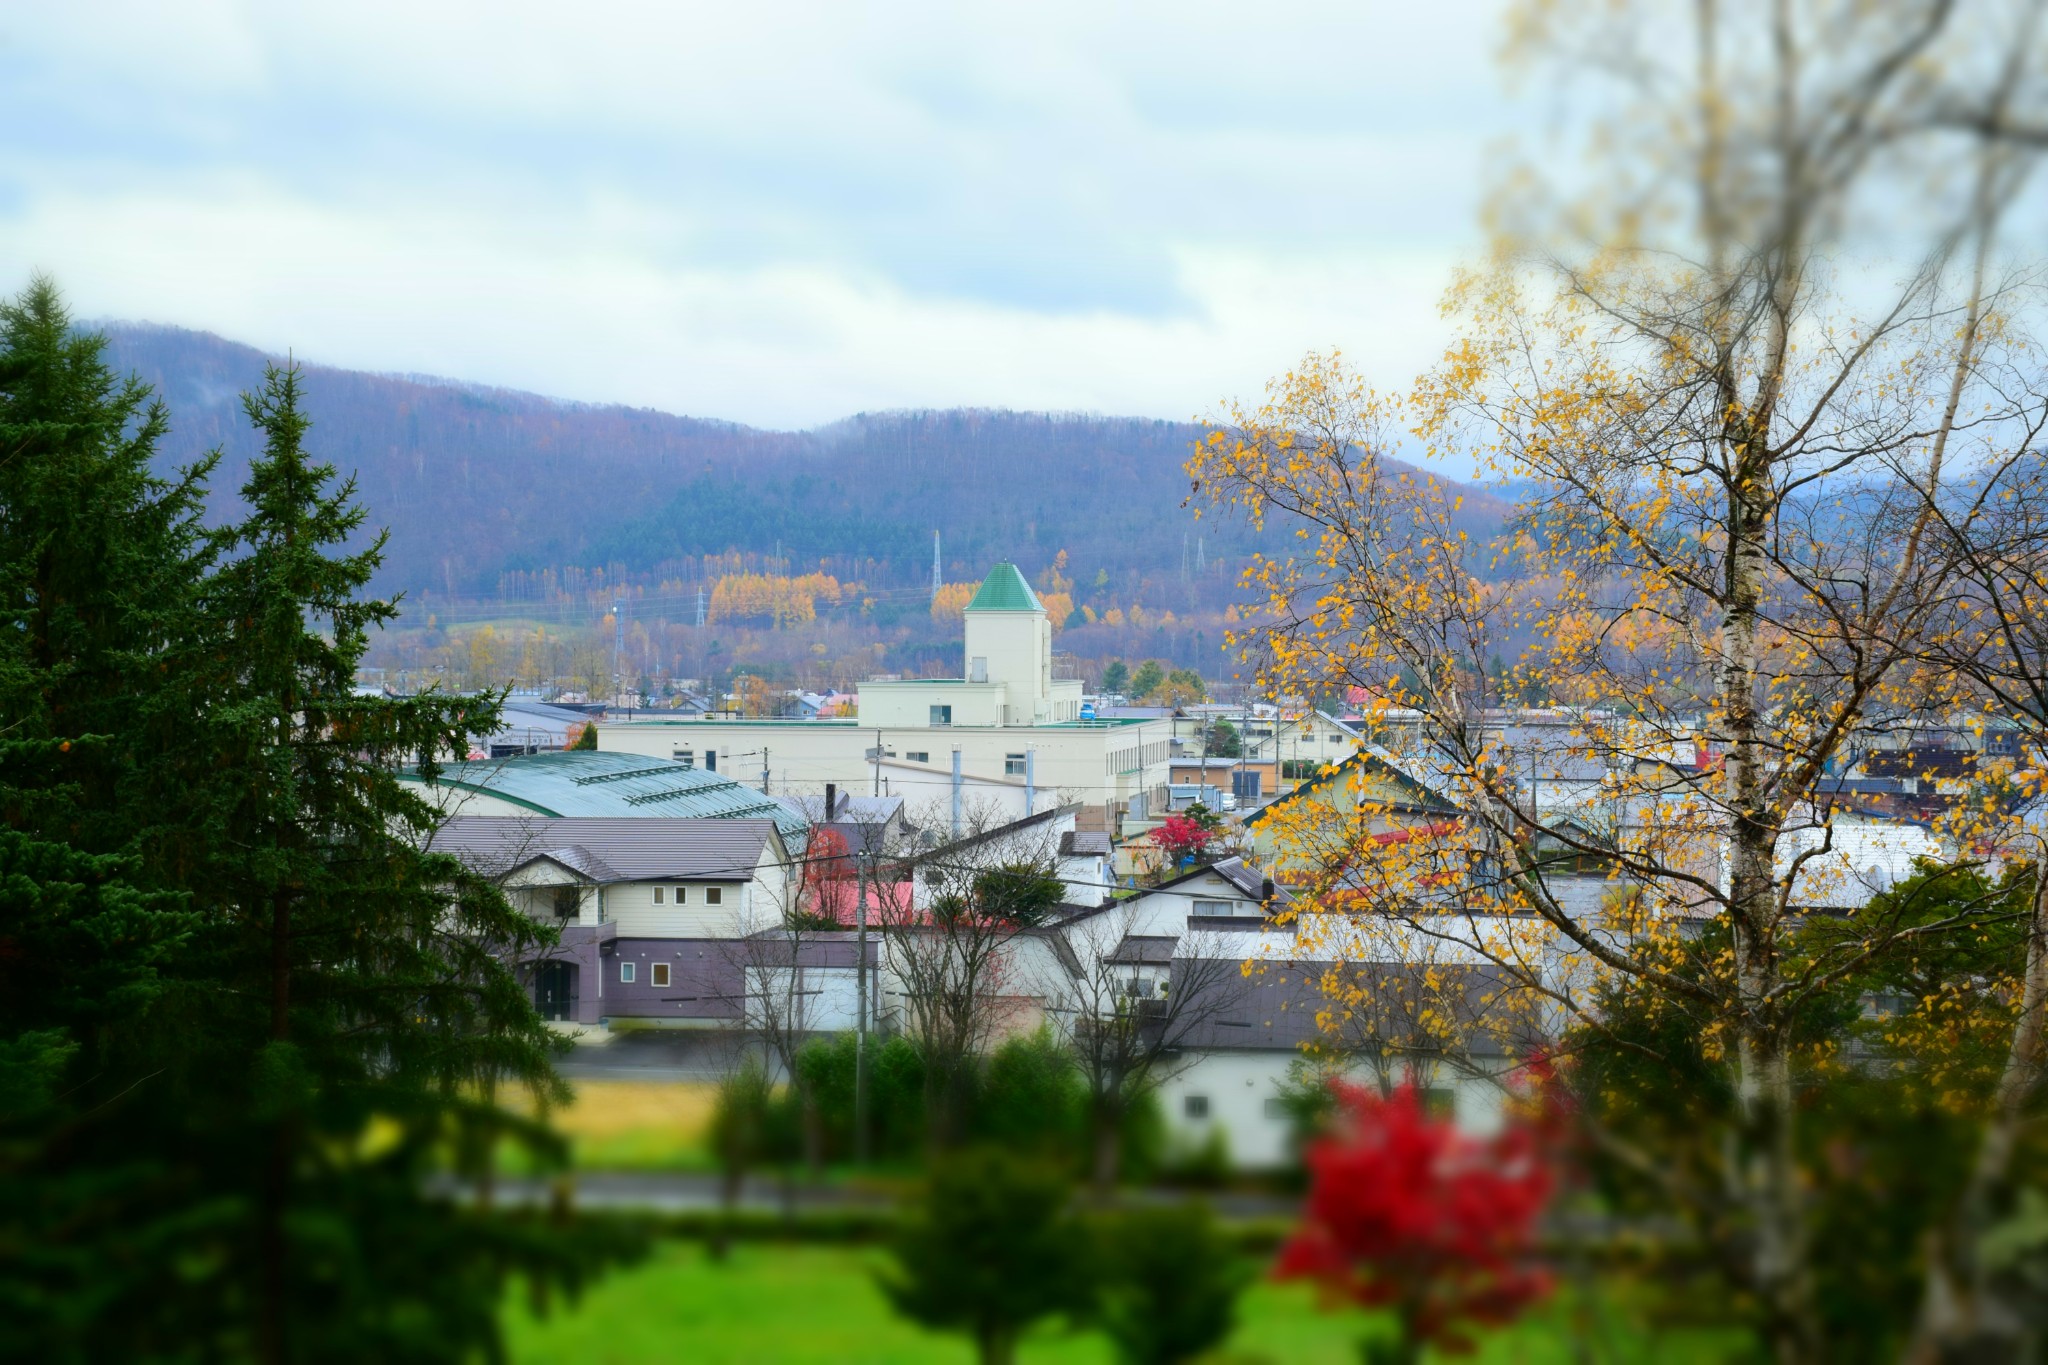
[831, 800]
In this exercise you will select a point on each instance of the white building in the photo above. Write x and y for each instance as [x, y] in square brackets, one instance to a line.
[1005, 733]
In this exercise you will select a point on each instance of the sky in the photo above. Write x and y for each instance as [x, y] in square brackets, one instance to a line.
[772, 213]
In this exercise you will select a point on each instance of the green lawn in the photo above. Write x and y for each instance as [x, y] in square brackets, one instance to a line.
[813, 1305]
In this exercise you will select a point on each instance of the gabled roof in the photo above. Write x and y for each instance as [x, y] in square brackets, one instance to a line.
[1005, 590]
[1425, 798]
[614, 850]
[1248, 881]
[1084, 843]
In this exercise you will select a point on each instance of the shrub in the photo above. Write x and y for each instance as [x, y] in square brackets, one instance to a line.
[895, 1094]
[989, 1250]
[1168, 1283]
[1031, 1100]
[1204, 1166]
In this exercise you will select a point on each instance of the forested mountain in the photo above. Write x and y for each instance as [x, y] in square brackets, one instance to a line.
[483, 488]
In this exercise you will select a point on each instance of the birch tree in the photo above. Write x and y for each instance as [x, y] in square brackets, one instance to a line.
[1735, 380]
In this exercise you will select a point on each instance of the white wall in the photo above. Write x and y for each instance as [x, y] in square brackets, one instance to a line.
[631, 906]
[1238, 1085]
[1018, 648]
[831, 996]
[1086, 764]
[908, 704]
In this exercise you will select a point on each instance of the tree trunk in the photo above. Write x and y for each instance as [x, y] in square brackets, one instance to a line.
[1763, 1174]
[1962, 1321]
[277, 1165]
[814, 1135]
[1107, 1143]
[998, 1345]
[728, 1212]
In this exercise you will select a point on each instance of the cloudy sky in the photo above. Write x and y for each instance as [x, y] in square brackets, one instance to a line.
[776, 213]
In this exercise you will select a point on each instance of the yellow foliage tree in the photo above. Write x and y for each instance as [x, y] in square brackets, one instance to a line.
[1682, 395]
[950, 602]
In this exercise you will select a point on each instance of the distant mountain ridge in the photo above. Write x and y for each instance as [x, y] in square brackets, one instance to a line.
[476, 483]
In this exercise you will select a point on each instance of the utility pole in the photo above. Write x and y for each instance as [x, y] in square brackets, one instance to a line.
[618, 645]
[860, 1003]
[764, 770]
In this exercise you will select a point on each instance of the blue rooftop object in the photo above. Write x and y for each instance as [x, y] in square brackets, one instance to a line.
[598, 783]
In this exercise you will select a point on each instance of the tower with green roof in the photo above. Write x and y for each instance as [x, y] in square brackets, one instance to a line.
[1009, 641]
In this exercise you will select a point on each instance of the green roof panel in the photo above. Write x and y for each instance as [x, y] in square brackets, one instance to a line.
[1005, 590]
[601, 782]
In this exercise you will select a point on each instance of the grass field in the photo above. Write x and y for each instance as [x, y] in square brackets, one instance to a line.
[809, 1305]
[631, 1126]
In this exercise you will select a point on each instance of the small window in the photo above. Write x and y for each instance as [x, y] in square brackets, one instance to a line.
[626, 973]
[657, 895]
[682, 895]
[942, 715]
[1195, 1106]
[1276, 1109]
[1440, 1103]
[1013, 765]
[660, 975]
[1219, 908]
[710, 761]
[714, 895]
[917, 757]
[686, 757]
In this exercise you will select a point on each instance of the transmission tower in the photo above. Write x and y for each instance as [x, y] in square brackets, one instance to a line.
[935, 566]
[700, 605]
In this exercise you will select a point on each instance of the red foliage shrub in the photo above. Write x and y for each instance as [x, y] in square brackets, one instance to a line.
[1180, 837]
[1408, 1213]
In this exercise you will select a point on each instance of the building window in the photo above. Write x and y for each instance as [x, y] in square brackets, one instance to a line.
[1218, 908]
[657, 895]
[710, 760]
[1013, 765]
[714, 895]
[1440, 1102]
[1195, 1106]
[942, 715]
[1276, 1109]
[686, 757]
[916, 757]
[626, 973]
[660, 976]
[682, 895]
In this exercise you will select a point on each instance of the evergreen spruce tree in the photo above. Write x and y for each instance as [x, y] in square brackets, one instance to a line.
[98, 558]
[245, 1010]
[352, 987]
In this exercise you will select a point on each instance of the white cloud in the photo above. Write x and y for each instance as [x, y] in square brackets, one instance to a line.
[775, 213]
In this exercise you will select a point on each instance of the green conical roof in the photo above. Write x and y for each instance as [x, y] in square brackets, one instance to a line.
[1005, 590]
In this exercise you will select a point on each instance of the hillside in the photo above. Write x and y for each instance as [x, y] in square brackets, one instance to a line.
[534, 515]
[476, 483]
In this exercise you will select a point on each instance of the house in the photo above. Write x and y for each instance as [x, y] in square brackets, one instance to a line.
[647, 908]
[1240, 1055]
[1007, 729]
[1084, 859]
[1323, 811]
[1214, 957]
